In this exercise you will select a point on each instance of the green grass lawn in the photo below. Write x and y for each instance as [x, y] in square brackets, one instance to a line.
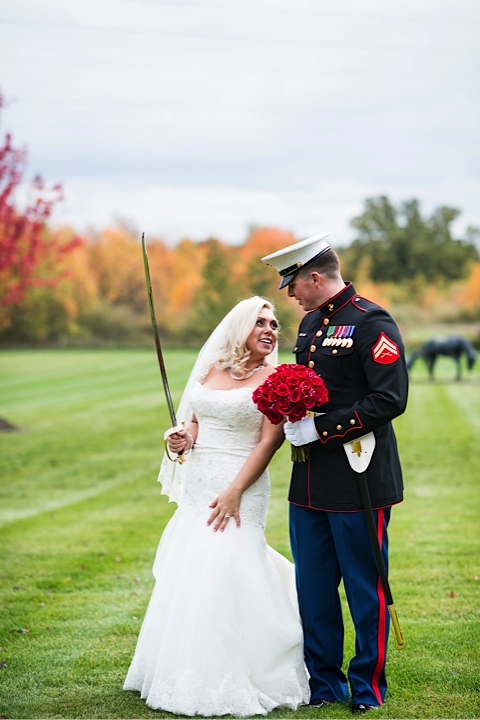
[81, 515]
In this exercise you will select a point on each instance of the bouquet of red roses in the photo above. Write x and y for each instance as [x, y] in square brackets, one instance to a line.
[291, 391]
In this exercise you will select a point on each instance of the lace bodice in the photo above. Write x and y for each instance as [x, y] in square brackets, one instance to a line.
[227, 418]
[229, 428]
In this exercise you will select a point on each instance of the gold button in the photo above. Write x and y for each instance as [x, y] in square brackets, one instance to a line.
[324, 433]
[339, 427]
[319, 333]
[311, 364]
[331, 307]
[326, 321]
[313, 348]
[299, 264]
[334, 352]
[352, 422]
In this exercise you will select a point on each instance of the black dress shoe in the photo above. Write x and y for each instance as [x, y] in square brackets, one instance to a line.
[363, 707]
[319, 703]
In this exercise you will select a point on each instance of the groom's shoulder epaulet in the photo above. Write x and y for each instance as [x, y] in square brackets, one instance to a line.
[363, 305]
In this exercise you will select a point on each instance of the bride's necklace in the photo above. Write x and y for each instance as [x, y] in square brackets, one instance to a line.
[249, 374]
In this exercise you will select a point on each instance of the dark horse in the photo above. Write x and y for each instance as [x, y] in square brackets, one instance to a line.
[454, 347]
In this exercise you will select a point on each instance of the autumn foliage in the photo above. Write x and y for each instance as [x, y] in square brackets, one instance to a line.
[58, 288]
[469, 296]
[30, 255]
[103, 297]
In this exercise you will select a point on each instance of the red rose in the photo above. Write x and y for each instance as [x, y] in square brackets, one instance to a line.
[300, 371]
[257, 393]
[295, 395]
[297, 413]
[309, 401]
[275, 416]
[262, 404]
[282, 389]
[292, 390]
[283, 405]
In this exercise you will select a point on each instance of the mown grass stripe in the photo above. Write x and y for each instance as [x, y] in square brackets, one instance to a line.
[80, 487]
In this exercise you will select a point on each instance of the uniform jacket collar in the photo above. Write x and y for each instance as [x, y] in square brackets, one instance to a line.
[338, 301]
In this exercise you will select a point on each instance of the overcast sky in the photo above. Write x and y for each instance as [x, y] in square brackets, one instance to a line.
[203, 117]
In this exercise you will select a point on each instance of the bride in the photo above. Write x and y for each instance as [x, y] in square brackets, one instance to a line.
[222, 633]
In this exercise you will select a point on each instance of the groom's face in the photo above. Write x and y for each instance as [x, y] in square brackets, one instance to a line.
[307, 290]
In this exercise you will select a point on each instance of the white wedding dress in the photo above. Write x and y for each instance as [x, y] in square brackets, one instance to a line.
[222, 633]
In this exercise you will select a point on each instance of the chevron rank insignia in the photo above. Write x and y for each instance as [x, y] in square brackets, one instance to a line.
[385, 351]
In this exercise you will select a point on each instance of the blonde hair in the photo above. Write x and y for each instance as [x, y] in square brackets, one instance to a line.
[233, 353]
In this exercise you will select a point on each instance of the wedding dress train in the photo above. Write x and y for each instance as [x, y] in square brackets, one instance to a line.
[222, 633]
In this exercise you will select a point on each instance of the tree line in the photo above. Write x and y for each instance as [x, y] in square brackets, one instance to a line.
[99, 295]
[58, 287]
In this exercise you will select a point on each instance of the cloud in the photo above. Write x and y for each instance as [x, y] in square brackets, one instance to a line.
[199, 117]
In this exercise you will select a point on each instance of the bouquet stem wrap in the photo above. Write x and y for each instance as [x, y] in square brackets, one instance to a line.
[299, 453]
[291, 391]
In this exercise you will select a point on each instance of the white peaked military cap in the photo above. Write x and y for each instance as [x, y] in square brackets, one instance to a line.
[289, 260]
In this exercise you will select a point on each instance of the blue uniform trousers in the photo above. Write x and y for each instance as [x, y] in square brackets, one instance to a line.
[328, 547]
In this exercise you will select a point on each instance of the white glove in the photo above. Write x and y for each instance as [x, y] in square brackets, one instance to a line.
[301, 432]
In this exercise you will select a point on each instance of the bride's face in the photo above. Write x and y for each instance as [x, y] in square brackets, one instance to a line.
[264, 336]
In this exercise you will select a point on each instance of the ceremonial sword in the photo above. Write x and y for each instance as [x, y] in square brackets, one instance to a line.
[161, 361]
[359, 458]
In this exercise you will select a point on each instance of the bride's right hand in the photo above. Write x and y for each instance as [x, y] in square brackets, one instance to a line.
[225, 507]
[179, 441]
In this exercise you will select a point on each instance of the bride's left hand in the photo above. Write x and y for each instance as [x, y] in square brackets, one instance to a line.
[226, 508]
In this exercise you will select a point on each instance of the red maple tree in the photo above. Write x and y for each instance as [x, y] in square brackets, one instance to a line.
[30, 256]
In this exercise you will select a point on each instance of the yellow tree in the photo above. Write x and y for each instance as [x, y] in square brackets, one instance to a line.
[186, 280]
[49, 311]
[469, 297]
[118, 265]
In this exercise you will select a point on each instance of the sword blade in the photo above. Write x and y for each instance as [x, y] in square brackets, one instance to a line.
[158, 346]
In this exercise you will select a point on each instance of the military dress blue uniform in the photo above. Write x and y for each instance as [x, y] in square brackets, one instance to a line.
[356, 347]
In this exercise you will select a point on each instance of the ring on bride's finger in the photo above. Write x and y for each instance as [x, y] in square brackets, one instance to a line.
[227, 516]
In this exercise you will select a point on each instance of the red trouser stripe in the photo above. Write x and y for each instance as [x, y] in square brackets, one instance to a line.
[382, 618]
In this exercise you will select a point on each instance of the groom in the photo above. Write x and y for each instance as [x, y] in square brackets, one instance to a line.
[356, 347]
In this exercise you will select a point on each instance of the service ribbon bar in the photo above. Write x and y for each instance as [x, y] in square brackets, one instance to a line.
[339, 336]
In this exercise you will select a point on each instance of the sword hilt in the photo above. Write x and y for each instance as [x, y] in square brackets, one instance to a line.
[180, 458]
